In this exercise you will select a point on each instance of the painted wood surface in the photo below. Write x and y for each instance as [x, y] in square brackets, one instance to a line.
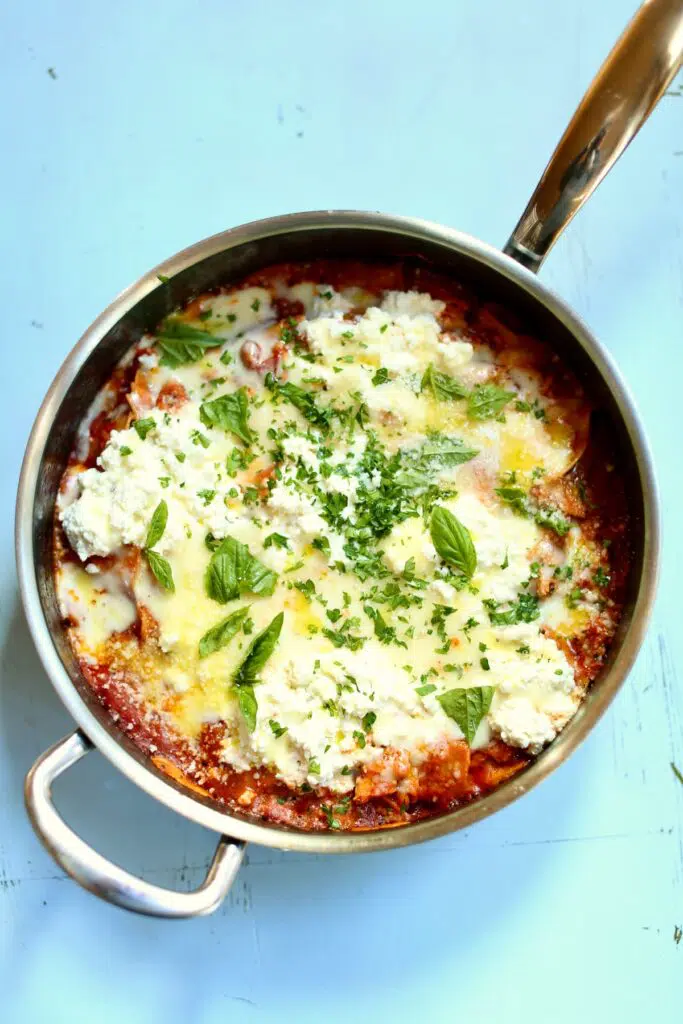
[133, 129]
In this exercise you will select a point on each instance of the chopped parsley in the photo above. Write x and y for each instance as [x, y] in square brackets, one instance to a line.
[302, 400]
[525, 609]
[439, 615]
[600, 578]
[544, 515]
[343, 637]
[198, 438]
[385, 633]
[422, 691]
[238, 459]
[143, 427]
[277, 540]
[305, 587]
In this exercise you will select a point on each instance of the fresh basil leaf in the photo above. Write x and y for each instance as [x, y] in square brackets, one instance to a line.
[221, 635]
[157, 525]
[260, 649]
[487, 401]
[301, 400]
[418, 466]
[450, 451]
[452, 541]
[143, 427]
[442, 386]
[181, 343]
[248, 705]
[233, 570]
[161, 570]
[439, 452]
[414, 481]
[422, 691]
[229, 412]
[467, 706]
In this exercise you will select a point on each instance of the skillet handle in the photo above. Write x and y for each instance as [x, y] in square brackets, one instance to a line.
[619, 100]
[93, 871]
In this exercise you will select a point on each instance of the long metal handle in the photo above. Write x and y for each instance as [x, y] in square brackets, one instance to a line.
[619, 100]
[94, 872]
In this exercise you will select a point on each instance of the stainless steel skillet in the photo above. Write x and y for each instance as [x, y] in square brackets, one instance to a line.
[630, 83]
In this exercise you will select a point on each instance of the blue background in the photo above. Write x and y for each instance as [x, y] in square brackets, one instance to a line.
[168, 121]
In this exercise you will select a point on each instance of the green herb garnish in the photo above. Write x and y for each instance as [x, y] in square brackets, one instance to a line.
[487, 401]
[230, 413]
[181, 343]
[158, 565]
[453, 541]
[157, 525]
[233, 571]
[422, 691]
[369, 720]
[442, 386]
[143, 427]
[525, 609]
[161, 570]
[302, 400]
[277, 540]
[545, 516]
[258, 653]
[467, 706]
[221, 635]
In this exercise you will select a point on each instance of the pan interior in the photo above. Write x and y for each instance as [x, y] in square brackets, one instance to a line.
[367, 243]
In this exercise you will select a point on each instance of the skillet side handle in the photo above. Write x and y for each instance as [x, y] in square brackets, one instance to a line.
[619, 100]
[94, 872]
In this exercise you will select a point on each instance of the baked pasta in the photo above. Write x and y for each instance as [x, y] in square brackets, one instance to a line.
[341, 546]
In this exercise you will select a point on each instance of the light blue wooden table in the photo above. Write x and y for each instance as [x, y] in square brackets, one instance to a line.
[131, 130]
